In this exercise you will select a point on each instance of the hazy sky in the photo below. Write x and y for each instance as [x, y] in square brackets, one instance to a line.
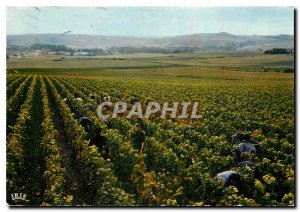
[137, 21]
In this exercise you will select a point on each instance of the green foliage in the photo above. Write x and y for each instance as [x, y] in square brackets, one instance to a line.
[178, 164]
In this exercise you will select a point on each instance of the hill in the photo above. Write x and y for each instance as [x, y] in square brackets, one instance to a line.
[204, 41]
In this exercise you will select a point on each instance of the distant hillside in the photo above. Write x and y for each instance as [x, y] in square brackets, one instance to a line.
[204, 41]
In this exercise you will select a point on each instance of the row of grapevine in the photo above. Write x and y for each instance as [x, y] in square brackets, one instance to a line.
[14, 103]
[11, 87]
[54, 171]
[11, 78]
[15, 145]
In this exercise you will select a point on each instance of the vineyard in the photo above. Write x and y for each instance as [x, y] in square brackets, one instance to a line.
[49, 159]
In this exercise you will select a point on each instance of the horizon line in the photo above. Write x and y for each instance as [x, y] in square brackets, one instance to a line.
[141, 36]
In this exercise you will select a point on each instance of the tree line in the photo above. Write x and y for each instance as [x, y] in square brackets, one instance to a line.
[278, 51]
[102, 51]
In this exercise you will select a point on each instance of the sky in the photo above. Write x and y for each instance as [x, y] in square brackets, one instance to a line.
[150, 21]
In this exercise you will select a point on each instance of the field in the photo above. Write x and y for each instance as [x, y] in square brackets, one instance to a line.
[49, 160]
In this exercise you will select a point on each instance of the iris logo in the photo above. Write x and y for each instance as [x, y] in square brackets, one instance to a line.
[18, 196]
